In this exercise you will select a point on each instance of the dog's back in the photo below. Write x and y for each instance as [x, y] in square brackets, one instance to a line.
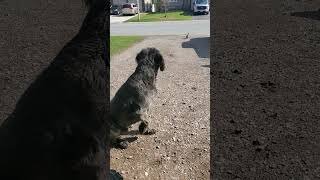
[133, 98]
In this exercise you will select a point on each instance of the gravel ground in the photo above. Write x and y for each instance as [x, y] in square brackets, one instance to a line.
[265, 90]
[180, 113]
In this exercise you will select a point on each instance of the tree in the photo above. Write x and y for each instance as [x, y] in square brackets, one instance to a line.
[164, 4]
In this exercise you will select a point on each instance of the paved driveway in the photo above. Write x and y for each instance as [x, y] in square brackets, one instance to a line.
[119, 18]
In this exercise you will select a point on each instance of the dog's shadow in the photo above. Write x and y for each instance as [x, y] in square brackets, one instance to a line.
[315, 15]
[200, 45]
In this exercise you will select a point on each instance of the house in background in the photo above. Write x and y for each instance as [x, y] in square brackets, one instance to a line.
[179, 4]
[146, 5]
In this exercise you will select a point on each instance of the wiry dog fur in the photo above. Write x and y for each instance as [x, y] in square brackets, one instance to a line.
[131, 103]
[57, 130]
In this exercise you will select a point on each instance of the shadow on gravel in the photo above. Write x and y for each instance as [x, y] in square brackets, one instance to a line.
[315, 15]
[200, 45]
[207, 66]
[114, 175]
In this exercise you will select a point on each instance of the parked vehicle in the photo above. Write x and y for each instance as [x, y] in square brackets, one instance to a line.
[129, 9]
[115, 10]
[200, 6]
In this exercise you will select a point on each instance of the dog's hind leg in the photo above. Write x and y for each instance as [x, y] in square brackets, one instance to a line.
[143, 127]
[116, 140]
[121, 143]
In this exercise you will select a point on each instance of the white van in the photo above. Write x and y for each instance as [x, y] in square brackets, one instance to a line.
[200, 6]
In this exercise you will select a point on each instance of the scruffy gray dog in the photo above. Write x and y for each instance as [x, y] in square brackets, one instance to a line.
[131, 102]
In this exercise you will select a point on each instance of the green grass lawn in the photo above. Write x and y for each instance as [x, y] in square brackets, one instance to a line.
[171, 16]
[120, 43]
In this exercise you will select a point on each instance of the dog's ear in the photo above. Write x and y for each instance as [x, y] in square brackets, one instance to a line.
[159, 60]
[141, 55]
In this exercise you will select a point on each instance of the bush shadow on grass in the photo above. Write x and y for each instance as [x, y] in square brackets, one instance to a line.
[315, 15]
[186, 13]
[200, 45]
[183, 13]
[132, 15]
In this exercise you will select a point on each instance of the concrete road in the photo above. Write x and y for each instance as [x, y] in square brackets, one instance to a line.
[119, 18]
[194, 27]
[201, 17]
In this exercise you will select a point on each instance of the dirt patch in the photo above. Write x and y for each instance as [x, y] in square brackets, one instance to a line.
[32, 34]
[265, 90]
[180, 113]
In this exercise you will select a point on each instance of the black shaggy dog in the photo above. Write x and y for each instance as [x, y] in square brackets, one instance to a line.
[131, 103]
[57, 130]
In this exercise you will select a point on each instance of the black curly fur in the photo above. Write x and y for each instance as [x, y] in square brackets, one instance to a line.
[132, 100]
[57, 130]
